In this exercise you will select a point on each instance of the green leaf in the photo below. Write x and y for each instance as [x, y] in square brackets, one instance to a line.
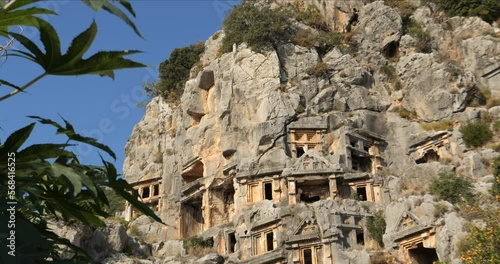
[80, 44]
[75, 176]
[102, 63]
[127, 6]
[16, 4]
[72, 135]
[43, 151]
[110, 7]
[17, 16]
[17, 139]
[36, 54]
[4, 82]
[50, 40]
[123, 189]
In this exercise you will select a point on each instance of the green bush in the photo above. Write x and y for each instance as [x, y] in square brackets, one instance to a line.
[305, 38]
[310, 16]
[422, 37]
[452, 188]
[323, 41]
[495, 189]
[482, 245]
[407, 114]
[174, 72]
[488, 10]
[440, 209]
[476, 134]
[260, 27]
[197, 242]
[329, 40]
[445, 124]
[319, 70]
[116, 203]
[376, 227]
[404, 8]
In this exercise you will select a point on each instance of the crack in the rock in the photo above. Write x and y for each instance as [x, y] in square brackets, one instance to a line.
[282, 134]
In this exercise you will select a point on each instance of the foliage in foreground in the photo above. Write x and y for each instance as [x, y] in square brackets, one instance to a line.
[452, 188]
[50, 182]
[482, 245]
[376, 227]
[476, 134]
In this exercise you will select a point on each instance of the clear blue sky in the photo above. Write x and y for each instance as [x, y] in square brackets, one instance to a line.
[98, 106]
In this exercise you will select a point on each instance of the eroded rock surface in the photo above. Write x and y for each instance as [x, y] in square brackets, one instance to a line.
[271, 164]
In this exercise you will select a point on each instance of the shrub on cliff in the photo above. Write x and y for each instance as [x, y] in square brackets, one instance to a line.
[260, 27]
[488, 10]
[416, 30]
[376, 227]
[452, 188]
[476, 134]
[174, 72]
[482, 244]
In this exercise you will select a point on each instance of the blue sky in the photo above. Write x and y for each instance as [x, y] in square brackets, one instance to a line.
[99, 106]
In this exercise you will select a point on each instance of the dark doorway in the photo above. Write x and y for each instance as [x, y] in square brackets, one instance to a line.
[145, 192]
[268, 191]
[363, 164]
[309, 199]
[421, 255]
[270, 241]
[232, 242]
[300, 152]
[360, 238]
[307, 256]
[429, 156]
[156, 190]
[361, 193]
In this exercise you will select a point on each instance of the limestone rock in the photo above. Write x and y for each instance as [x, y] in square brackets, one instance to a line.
[261, 154]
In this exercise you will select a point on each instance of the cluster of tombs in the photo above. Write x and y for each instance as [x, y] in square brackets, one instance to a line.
[346, 168]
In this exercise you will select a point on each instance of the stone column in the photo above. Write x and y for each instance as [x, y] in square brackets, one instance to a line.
[292, 191]
[369, 192]
[332, 181]
[128, 212]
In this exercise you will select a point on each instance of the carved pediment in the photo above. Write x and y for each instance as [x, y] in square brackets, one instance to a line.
[307, 226]
[406, 221]
[311, 161]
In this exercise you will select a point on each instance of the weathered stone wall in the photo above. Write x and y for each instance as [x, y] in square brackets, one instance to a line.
[230, 133]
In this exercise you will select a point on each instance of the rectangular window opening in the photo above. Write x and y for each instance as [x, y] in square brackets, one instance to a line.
[361, 193]
[366, 148]
[232, 242]
[360, 238]
[268, 191]
[300, 152]
[145, 192]
[156, 190]
[307, 256]
[269, 241]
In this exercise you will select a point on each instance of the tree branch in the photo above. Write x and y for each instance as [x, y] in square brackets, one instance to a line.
[26, 86]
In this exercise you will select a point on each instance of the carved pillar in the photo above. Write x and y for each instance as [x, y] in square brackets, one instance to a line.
[206, 210]
[292, 191]
[332, 181]
[128, 212]
[369, 192]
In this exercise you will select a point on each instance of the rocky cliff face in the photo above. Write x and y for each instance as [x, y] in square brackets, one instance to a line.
[274, 164]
